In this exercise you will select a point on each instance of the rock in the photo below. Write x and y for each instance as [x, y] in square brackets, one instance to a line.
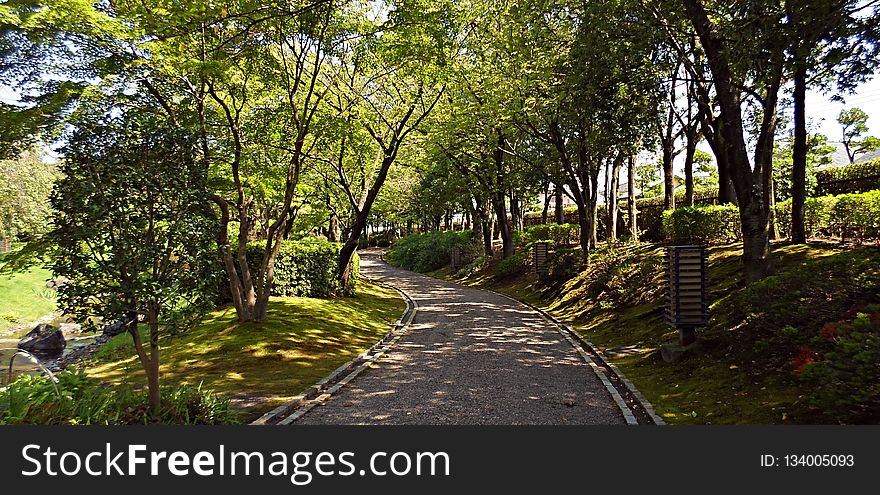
[568, 401]
[115, 328]
[57, 283]
[43, 338]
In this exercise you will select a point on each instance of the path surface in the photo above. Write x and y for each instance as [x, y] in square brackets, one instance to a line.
[471, 357]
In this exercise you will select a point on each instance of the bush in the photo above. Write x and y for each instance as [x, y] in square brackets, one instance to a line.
[564, 264]
[514, 265]
[855, 178]
[429, 251]
[854, 217]
[565, 234]
[83, 401]
[842, 369]
[305, 268]
[702, 224]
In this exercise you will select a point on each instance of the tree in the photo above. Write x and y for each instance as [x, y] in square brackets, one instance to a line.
[25, 184]
[819, 153]
[743, 50]
[829, 40]
[854, 125]
[133, 231]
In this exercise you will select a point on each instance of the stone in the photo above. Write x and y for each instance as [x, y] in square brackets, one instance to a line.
[115, 328]
[673, 353]
[43, 338]
[568, 401]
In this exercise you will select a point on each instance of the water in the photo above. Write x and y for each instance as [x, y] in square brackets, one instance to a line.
[8, 348]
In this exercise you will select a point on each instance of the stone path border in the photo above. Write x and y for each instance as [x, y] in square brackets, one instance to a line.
[591, 354]
[320, 392]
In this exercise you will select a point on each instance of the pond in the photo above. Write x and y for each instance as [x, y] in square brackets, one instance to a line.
[21, 364]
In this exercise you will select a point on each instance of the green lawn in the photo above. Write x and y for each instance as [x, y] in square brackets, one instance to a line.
[731, 380]
[260, 366]
[24, 297]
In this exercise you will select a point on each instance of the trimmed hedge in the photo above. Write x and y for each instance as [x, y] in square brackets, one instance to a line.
[429, 251]
[702, 224]
[849, 217]
[306, 268]
[565, 234]
[855, 178]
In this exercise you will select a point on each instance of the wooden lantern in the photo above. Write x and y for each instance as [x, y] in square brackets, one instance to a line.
[539, 257]
[687, 303]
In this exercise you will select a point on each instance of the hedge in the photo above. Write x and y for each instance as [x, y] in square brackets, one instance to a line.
[702, 224]
[849, 217]
[429, 251]
[855, 178]
[306, 268]
[565, 234]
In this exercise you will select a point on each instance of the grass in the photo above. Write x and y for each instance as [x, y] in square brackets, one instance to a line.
[260, 366]
[24, 297]
[727, 382]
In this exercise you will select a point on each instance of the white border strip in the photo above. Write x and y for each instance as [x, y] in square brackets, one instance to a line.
[320, 392]
[571, 335]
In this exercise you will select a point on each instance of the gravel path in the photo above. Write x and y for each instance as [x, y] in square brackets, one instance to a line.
[471, 357]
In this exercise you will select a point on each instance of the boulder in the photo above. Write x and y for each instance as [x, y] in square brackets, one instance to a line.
[115, 328]
[43, 338]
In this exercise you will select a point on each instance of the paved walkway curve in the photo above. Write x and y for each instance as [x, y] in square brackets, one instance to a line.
[470, 357]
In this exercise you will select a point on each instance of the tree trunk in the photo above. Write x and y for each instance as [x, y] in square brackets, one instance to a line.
[668, 178]
[586, 236]
[545, 213]
[799, 159]
[689, 169]
[594, 210]
[559, 212]
[613, 190]
[504, 229]
[631, 200]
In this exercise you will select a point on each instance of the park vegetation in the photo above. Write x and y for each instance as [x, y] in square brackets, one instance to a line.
[213, 153]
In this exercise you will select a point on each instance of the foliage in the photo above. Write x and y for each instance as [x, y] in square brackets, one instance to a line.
[133, 229]
[514, 265]
[557, 234]
[843, 369]
[701, 224]
[85, 401]
[25, 184]
[564, 264]
[859, 177]
[429, 251]
[264, 364]
[307, 268]
[819, 153]
[852, 217]
[854, 124]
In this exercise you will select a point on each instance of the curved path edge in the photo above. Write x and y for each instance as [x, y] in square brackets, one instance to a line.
[613, 381]
[289, 412]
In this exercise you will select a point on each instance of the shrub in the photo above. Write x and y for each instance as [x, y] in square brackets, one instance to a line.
[702, 224]
[564, 234]
[845, 378]
[429, 251]
[305, 268]
[33, 400]
[514, 265]
[854, 217]
[564, 264]
[855, 178]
